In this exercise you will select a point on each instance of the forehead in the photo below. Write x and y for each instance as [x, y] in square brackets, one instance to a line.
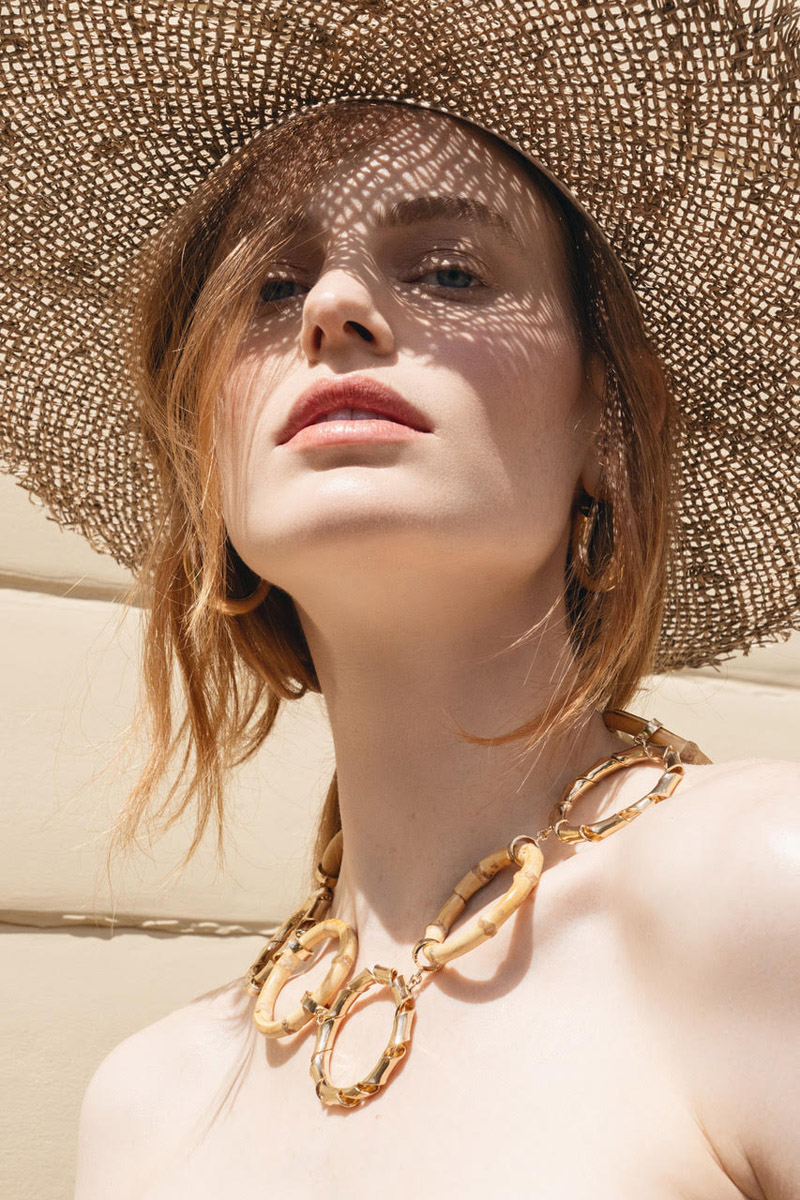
[428, 167]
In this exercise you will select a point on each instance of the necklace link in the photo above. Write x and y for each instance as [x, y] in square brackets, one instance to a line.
[639, 753]
[396, 1047]
[315, 907]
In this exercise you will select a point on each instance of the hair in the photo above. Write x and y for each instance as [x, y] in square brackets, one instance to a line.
[195, 284]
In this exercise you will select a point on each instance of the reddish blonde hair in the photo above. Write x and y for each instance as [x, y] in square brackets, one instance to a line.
[196, 284]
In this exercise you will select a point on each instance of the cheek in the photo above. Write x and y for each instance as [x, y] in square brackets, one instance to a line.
[526, 449]
[530, 376]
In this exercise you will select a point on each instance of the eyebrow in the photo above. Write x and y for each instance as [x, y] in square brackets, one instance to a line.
[420, 209]
[448, 208]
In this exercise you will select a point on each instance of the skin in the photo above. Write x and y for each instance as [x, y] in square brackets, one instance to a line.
[414, 567]
[629, 1033]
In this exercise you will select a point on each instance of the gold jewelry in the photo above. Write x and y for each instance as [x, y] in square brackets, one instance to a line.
[330, 1003]
[442, 948]
[227, 605]
[294, 953]
[399, 1039]
[315, 907]
[592, 545]
[238, 608]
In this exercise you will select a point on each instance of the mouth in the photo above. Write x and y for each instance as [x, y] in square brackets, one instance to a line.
[353, 408]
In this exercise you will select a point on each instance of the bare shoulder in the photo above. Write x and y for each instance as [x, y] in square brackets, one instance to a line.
[731, 833]
[175, 1066]
[712, 874]
[708, 884]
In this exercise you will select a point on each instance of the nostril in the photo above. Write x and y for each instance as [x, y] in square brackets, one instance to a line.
[365, 333]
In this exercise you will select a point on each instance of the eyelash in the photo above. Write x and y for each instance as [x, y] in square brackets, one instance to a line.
[447, 263]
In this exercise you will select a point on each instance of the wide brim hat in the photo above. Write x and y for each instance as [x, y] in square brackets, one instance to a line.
[673, 124]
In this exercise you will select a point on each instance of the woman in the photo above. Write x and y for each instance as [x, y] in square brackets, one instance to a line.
[418, 557]
[469, 585]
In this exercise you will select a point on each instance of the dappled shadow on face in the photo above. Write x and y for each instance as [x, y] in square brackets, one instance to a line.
[429, 261]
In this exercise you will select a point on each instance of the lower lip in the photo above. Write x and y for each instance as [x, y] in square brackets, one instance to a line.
[342, 433]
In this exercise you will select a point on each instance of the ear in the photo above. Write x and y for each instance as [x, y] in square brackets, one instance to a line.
[594, 388]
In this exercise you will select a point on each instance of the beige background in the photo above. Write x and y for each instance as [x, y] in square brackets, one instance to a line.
[69, 653]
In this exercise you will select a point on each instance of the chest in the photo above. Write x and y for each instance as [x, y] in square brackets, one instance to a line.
[535, 1068]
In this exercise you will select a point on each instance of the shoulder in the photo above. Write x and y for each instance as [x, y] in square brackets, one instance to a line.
[709, 884]
[713, 872]
[729, 837]
[174, 1067]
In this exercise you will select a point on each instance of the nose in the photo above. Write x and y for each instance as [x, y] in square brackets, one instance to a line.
[340, 314]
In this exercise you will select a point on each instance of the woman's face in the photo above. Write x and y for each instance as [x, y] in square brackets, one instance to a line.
[462, 307]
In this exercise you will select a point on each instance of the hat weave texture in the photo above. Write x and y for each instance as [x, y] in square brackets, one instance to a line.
[675, 124]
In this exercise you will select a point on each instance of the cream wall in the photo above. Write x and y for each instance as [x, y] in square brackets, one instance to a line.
[69, 655]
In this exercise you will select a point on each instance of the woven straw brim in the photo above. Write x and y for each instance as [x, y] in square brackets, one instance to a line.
[674, 124]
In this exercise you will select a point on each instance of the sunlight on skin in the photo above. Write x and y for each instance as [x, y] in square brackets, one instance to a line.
[478, 335]
[414, 565]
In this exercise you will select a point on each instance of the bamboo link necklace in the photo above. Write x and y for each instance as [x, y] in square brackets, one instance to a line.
[328, 1004]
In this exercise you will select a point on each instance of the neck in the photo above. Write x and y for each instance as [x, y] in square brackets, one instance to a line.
[419, 804]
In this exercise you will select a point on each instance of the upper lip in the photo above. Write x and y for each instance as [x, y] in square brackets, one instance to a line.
[350, 391]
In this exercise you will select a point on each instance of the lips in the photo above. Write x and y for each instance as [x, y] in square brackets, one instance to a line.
[353, 391]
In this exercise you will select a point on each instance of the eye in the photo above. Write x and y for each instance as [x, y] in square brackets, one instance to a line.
[455, 277]
[450, 276]
[447, 276]
[279, 289]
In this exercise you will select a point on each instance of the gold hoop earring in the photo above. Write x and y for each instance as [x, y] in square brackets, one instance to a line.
[237, 608]
[592, 545]
[229, 606]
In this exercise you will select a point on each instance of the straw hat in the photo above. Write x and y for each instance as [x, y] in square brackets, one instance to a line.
[674, 123]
